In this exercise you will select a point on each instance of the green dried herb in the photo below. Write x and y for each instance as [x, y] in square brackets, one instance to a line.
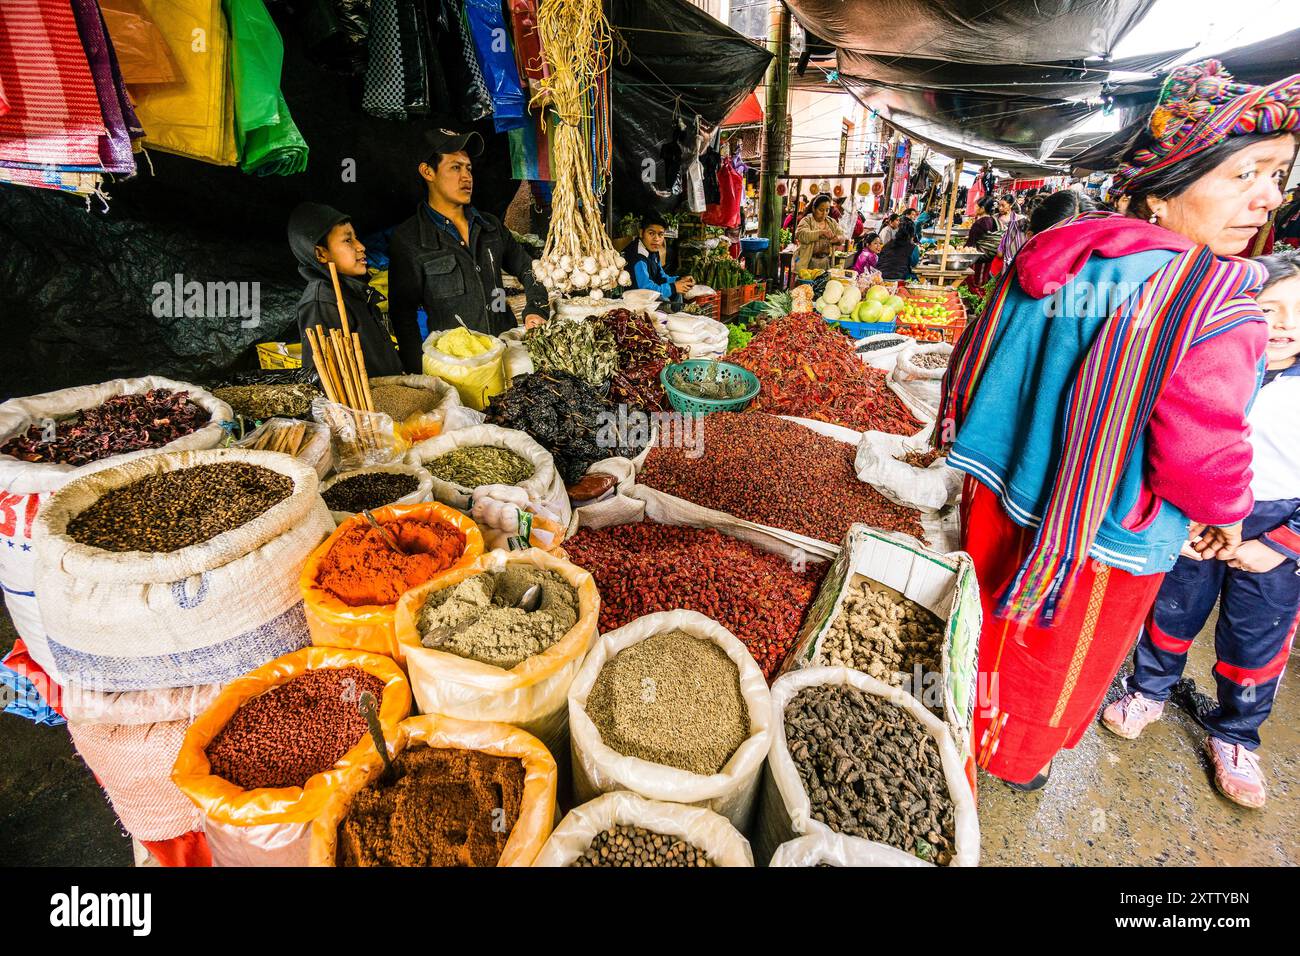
[585, 349]
[475, 465]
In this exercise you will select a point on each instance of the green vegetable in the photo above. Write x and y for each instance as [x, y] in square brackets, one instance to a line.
[585, 349]
[737, 336]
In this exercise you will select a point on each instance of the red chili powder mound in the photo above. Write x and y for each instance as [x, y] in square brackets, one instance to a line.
[362, 569]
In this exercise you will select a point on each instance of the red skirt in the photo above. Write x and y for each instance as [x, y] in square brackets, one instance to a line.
[1040, 688]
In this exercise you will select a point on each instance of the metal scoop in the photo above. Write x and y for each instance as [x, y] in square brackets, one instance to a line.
[383, 532]
[530, 600]
[369, 708]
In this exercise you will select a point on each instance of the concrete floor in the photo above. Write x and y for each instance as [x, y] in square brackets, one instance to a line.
[1110, 802]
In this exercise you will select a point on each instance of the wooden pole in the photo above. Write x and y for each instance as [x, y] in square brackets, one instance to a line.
[958, 166]
[1258, 248]
[775, 147]
[338, 299]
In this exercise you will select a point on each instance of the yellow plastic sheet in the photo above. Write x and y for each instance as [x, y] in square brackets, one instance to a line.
[369, 627]
[536, 811]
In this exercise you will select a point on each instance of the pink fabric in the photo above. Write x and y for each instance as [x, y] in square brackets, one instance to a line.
[1052, 258]
[1199, 428]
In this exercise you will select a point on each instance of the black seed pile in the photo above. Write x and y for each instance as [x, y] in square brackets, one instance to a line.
[370, 489]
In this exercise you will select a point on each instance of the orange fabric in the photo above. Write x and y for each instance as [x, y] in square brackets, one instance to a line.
[188, 849]
[362, 569]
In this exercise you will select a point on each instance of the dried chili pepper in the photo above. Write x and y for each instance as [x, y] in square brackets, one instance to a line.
[642, 354]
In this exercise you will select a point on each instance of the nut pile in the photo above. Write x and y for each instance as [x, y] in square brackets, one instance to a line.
[672, 699]
[871, 770]
[624, 845]
[295, 730]
[176, 509]
[369, 489]
[882, 633]
[643, 568]
[778, 473]
[930, 360]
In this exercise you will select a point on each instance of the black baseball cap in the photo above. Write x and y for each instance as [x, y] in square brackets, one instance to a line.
[444, 141]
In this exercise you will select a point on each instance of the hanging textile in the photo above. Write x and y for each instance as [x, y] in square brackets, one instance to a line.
[195, 117]
[528, 45]
[973, 196]
[456, 50]
[530, 151]
[115, 145]
[413, 21]
[384, 95]
[335, 32]
[141, 51]
[54, 116]
[496, 60]
[269, 143]
[902, 170]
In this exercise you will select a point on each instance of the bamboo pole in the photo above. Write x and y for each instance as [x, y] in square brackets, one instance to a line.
[361, 368]
[338, 299]
[958, 166]
[321, 359]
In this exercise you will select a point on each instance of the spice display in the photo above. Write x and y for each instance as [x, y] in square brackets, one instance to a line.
[280, 435]
[672, 699]
[294, 731]
[400, 402]
[643, 568]
[477, 617]
[711, 384]
[930, 360]
[642, 354]
[624, 845]
[447, 807]
[871, 770]
[810, 370]
[122, 424]
[920, 459]
[176, 509]
[583, 348]
[261, 401]
[472, 465]
[462, 343]
[883, 634]
[361, 569]
[778, 473]
[369, 489]
[564, 415]
[880, 342]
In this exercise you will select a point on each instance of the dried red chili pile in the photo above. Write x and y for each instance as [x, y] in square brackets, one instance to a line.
[643, 568]
[810, 370]
[122, 424]
[642, 354]
[778, 473]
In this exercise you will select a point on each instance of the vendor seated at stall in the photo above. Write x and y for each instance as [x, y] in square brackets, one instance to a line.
[449, 257]
[645, 263]
[319, 235]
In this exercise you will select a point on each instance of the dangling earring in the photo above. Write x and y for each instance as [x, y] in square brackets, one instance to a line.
[1154, 219]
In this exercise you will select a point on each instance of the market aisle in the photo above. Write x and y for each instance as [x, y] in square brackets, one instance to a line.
[1111, 802]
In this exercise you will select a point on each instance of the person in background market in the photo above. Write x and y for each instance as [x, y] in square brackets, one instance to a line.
[817, 234]
[319, 235]
[1056, 209]
[901, 255]
[449, 257]
[888, 228]
[1082, 486]
[869, 254]
[1256, 585]
[1013, 230]
[985, 236]
[794, 215]
[645, 262]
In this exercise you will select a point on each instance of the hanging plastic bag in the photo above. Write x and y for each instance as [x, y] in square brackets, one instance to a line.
[599, 768]
[271, 826]
[705, 830]
[369, 627]
[268, 140]
[536, 808]
[496, 58]
[532, 695]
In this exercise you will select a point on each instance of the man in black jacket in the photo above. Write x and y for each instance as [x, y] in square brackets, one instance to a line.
[449, 257]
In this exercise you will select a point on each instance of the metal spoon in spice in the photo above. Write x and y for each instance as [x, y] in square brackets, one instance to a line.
[530, 600]
[369, 708]
[383, 532]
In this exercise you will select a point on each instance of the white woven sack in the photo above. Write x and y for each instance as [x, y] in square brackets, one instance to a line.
[785, 811]
[835, 849]
[422, 492]
[877, 462]
[920, 389]
[703, 829]
[25, 485]
[598, 768]
[204, 614]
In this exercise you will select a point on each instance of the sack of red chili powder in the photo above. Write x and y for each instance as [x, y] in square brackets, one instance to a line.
[29, 476]
[533, 694]
[282, 736]
[352, 582]
[532, 821]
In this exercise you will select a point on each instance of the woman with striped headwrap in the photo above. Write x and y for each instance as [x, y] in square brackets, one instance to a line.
[1098, 407]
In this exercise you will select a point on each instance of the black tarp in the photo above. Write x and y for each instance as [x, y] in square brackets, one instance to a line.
[76, 287]
[673, 63]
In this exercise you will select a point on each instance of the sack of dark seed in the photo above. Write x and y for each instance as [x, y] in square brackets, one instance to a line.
[620, 829]
[854, 757]
[266, 757]
[348, 492]
[672, 707]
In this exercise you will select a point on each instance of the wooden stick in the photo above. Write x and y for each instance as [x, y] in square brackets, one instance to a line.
[344, 369]
[338, 299]
[321, 359]
[361, 367]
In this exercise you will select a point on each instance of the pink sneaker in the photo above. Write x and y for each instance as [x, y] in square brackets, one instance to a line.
[1129, 715]
[1237, 773]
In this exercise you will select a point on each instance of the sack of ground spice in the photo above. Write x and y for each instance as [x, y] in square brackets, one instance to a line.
[114, 434]
[352, 582]
[685, 834]
[531, 692]
[851, 755]
[917, 378]
[423, 406]
[674, 708]
[470, 458]
[177, 569]
[906, 471]
[474, 793]
[774, 472]
[291, 732]
[348, 492]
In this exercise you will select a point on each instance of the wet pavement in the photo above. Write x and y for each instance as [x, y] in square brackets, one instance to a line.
[1110, 802]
